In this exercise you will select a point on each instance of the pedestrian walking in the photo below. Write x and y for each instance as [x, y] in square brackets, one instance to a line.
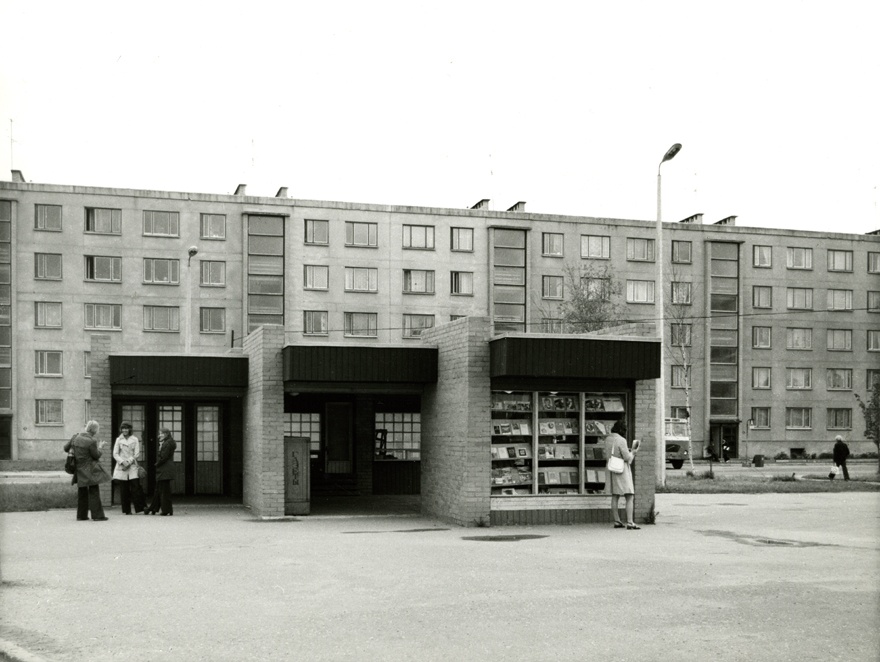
[622, 483]
[165, 473]
[840, 453]
[125, 453]
[89, 472]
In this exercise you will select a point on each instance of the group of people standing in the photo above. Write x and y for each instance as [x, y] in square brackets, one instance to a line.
[87, 451]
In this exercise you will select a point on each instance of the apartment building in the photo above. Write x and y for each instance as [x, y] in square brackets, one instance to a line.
[200, 312]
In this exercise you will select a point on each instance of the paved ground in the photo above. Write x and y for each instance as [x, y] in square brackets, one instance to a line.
[720, 577]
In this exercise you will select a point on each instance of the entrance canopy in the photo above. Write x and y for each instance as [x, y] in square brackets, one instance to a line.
[346, 367]
[137, 373]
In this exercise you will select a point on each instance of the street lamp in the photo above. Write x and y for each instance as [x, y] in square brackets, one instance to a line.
[661, 325]
[187, 314]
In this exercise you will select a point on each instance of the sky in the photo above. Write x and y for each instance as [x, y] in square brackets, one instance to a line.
[568, 106]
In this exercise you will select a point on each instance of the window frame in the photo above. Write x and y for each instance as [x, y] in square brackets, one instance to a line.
[756, 425]
[848, 338]
[372, 275]
[676, 287]
[676, 328]
[351, 234]
[677, 247]
[150, 312]
[310, 225]
[795, 254]
[873, 340]
[45, 360]
[806, 415]
[552, 287]
[791, 295]
[309, 271]
[41, 220]
[349, 326]
[455, 236]
[874, 262]
[757, 331]
[846, 373]
[791, 335]
[630, 291]
[91, 268]
[173, 271]
[209, 265]
[872, 303]
[114, 309]
[429, 281]
[832, 296]
[45, 256]
[757, 382]
[308, 326]
[409, 330]
[407, 242]
[832, 416]
[758, 254]
[208, 314]
[604, 247]
[457, 279]
[791, 380]
[91, 217]
[150, 219]
[679, 376]
[41, 413]
[833, 254]
[647, 252]
[757, 292]
[549, 246]
[205, 219]
[43, 306]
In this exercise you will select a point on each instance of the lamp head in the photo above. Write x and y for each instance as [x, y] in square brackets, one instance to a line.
[193, 250]
[671, 152]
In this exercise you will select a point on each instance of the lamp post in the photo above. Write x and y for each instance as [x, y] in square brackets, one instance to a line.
[187, 314]
[661, 326]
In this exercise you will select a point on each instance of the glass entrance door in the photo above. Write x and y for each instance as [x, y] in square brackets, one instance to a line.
[209, 478]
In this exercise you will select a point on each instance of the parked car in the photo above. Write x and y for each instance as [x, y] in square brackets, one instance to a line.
[676, 454]
[676, 442]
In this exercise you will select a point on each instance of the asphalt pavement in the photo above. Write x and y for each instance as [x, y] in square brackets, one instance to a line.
[719, 577]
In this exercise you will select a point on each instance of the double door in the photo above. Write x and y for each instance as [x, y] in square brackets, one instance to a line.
[196, 427]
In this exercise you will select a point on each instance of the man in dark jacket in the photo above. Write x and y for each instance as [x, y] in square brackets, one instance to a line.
[165, 473]
[89, 472]
[841, 452]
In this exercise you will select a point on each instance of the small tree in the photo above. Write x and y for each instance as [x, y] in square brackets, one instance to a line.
[591, 302]
[871, 411]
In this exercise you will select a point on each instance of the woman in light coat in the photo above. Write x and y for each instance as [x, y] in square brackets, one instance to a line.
[622, 483]
[125, 452]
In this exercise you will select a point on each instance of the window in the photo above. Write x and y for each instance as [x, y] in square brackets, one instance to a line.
[873, 341]
[761, 337]
[552, 325]
[47, 363]
[760, 378]
[597, 289]
[213, 273]
[212, 320]
[799, 379]
[103, 316]
[161, 318]
[47, 218]
[361, 234]
[799, 339]
[552, 244]
[873, 302]
[361, 325]
[462, 239]
[361, 279]
[679, 412]
[418, 236]
[87, 365]
[461, 282]
[680, 376]
[315, 322]
[640, 291]
[798, 418]
[840, 260]
[681, 293]
[47, 314]
[417, 281]
[874, 263]
[413, 325]
[682, 252]
[103, 221]
[160, 271]
[104, 269]
[317, 232]
[161, 223]
[839, 419]
[50, 412]
[799, 258]
[762, 257]
[762, 296]
[799, 298]
[213, 226]
[47, 266]
[316, 277]
[552, 287]
[723, 303]
[839, 340]
[595, 247]
[871, 378]
[639, 250]
[761, 417]
[404, 433]
[682, 335]
[839, 379]
[840, 300]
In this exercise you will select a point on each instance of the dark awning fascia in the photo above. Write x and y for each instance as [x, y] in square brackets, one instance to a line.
[174, 370]
[561, 356]
[348, 364]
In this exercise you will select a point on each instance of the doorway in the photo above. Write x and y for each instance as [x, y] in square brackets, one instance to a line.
[724, 434]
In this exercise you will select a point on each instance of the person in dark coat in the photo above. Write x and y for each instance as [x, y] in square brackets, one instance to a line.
[841, 452]
[165, 473]
[89, 472]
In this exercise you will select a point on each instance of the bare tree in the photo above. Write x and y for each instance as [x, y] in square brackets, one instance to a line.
[870, 407]
[680, 341]
[591, 300]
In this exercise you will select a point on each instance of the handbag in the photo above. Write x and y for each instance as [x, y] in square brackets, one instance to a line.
[70, 462]
[615, 464]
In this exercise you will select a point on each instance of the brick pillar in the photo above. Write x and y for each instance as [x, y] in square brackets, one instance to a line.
[646, 461]
[456, 471]
[102, 405]
[263, 444]
[364, 441]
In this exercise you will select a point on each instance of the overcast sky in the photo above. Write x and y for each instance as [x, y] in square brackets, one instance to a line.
[568, 106]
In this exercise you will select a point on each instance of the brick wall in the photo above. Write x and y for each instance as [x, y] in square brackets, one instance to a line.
[263, 444]
[101, 404]
[645, 423]
[456, 471]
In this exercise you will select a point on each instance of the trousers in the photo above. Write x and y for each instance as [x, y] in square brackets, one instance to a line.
[89, 499]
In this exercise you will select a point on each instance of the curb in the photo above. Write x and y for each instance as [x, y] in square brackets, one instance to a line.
[15, 653]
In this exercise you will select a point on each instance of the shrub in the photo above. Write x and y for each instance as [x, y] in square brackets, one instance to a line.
[825, 455]
[784, 478]
[781, 455]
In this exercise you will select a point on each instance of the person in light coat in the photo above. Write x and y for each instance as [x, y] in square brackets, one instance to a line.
[622, 483]
[125, 452]
[89, 472]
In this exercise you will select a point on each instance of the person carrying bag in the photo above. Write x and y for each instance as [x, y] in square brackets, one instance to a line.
[89, 472]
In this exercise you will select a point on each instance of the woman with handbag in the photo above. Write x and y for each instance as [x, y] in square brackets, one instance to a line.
[89, 472]
[125, 452]
[621, 482]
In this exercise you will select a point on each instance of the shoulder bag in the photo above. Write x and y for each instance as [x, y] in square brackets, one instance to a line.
[615, 464]
[70, 462]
